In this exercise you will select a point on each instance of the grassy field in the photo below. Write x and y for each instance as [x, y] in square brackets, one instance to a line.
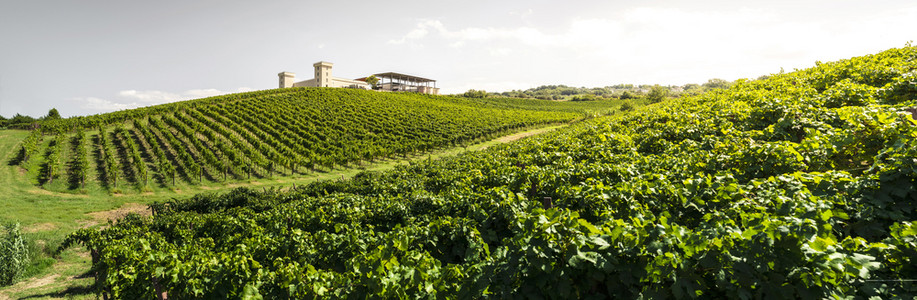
[47, 217]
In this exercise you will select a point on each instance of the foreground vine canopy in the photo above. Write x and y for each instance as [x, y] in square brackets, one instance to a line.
[800, 185]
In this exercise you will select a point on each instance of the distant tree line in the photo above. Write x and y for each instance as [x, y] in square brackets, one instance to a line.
[654, 93]
[20, 121]
[475, 94]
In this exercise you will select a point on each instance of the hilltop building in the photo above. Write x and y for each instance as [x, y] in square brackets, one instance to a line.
[388, 81]
[397, 82]
[322, 78]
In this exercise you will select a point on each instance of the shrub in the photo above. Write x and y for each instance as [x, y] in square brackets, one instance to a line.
[628, 95]
[658, 93]
[14, 256]
[475, 94]
[584, 97]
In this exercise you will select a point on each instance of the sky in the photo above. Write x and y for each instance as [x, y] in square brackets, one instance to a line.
[96, 56]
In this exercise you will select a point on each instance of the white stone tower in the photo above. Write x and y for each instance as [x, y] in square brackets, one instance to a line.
[286, 79]
[323, 73]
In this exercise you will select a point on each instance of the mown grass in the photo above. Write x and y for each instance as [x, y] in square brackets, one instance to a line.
[47, 216]
[49, 210]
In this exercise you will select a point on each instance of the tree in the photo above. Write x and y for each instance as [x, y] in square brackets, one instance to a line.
[19, 121]
[372, 80]
[584, 97]
[658, 93]
[475, 94]
[717, 83]
[52, 114]
[692, 89]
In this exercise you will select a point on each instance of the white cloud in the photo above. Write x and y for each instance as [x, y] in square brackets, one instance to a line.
[203, 93]
[670, 45]
[129, 99]
[522, 15]
[501, 51]
[102, 105]
[459, 37]
[154, 97]
[421, 31]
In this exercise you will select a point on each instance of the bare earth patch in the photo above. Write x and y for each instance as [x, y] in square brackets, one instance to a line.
[40, 282]
[83, 254]
[28, 285]
[100, 217]
[39, 227]
[55, 194]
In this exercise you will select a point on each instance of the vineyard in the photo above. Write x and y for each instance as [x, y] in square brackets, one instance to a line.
[265, 134]
[801, 185]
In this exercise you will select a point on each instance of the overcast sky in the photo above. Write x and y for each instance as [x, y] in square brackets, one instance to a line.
[87, 57]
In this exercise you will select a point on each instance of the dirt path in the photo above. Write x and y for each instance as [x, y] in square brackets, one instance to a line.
[510, 138]
[524, 134]
[29, 284]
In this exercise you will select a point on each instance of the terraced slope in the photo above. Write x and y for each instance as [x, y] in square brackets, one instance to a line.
[265, 134]
[802, 185]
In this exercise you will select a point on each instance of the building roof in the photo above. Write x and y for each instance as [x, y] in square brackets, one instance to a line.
[404, 77]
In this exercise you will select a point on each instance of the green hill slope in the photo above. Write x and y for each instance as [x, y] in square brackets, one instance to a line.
[264, 134]
[798, 186]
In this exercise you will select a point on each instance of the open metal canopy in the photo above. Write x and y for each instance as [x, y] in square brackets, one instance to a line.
[397, 82]
[404, 77]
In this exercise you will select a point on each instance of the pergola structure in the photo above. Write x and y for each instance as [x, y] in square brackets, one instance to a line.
[397, 82]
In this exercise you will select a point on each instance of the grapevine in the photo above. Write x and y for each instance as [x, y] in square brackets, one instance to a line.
[786, 187]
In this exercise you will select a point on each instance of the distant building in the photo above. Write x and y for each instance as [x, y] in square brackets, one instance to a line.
[389, 81]
[322, 78]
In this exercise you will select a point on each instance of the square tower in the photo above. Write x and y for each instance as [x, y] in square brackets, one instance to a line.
[286, 79]
[323, 73]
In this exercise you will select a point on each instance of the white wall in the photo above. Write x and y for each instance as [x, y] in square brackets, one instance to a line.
[305, 83]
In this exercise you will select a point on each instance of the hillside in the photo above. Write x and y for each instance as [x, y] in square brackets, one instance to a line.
[266, 134]
[801, 185]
